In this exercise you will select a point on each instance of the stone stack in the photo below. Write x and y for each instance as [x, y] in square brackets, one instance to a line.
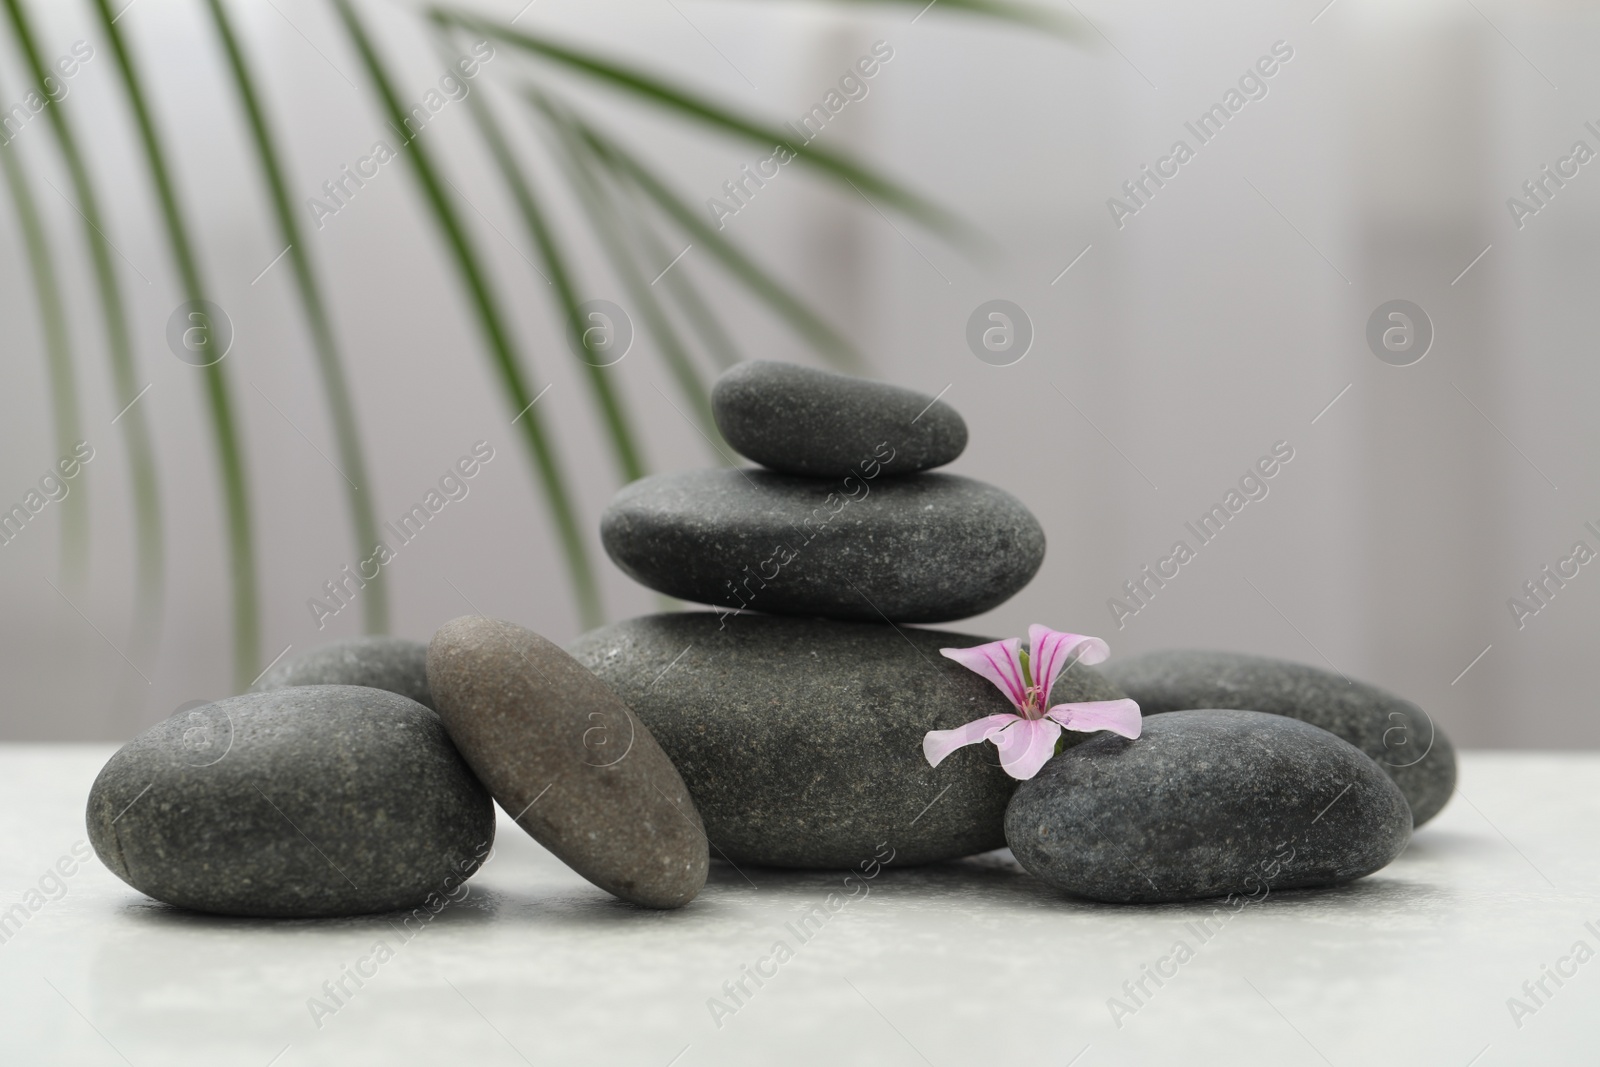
[843, 523]
[795, 711]
[784, 728]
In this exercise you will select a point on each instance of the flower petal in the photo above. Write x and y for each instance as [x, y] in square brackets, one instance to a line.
[1025, 745]
[998, 661]
[1049, 652]
[937, 744]
[1118, 716]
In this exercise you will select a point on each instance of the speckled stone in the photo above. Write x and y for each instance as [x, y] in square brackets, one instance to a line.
[1404, 739]
[563, 756]
[1207, 803]
[305, 802]
[923, 548]
[799, 420]
[392, 663]
[801, 739]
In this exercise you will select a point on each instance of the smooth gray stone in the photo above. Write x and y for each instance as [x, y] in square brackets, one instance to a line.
[1206, 803]
[305, 802]
[1404, 739]
[923, 548]
[799, 420]
[801, 739]
[563, 756]
[393, 663]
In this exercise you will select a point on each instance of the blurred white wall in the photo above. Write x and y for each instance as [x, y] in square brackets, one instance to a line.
[1221, 318]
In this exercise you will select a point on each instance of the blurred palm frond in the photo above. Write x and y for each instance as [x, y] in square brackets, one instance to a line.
[629, 211]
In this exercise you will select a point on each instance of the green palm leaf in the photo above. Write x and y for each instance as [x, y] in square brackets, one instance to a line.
[219, 397]
[691, 105]
[680, 285]
[148, 533]
[58, 362]
[630, 466]
[741, 267]
[605, 216]
[636, 216]
[541, 450]
[375, 601]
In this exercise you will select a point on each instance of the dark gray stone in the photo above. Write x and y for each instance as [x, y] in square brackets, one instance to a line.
[799, 420]
[801, 739]
[923, 548]
[393, 663]
[1405, 741]
[1206, 803]
[563, 756]
[305, 802]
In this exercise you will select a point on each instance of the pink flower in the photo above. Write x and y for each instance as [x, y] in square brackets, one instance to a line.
[1028, 738]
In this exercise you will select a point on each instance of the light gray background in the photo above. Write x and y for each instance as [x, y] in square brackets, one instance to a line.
[1222, 318]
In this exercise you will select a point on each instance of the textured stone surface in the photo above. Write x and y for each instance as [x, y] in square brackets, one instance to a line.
[1207, 803]
[1404, 740]
[799, 420]
[924, 548]
[393, 663]
[305, 802]
[563, 756]
[801, 739]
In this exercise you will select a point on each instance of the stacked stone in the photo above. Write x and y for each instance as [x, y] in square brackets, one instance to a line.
[796, 710]
[844, 521]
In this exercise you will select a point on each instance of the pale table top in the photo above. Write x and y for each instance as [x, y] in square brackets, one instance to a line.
[956, 964]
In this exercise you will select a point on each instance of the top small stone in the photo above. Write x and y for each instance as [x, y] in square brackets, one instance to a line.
[814, 423]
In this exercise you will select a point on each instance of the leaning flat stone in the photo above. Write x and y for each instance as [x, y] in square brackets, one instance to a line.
[923, 548]
[1205, 804]
[391, 663]
[798, 420]
[564, 757]
[1405, 741]
[801, 739]
[300, 803]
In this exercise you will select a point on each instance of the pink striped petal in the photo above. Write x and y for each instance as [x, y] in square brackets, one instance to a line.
[998, 661]
[1118, 716]
[1049, 652]
[937, 744]
[1025, 745]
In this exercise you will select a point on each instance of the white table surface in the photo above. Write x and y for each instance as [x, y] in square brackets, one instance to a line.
[957, 964]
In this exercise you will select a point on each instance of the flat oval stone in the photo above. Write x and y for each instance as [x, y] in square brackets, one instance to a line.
[563, 755]
[1400, 736]
[393, 663]
[306, 802]
[923, 548]
[799, 420]
[1206, 803]
[801, 739]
